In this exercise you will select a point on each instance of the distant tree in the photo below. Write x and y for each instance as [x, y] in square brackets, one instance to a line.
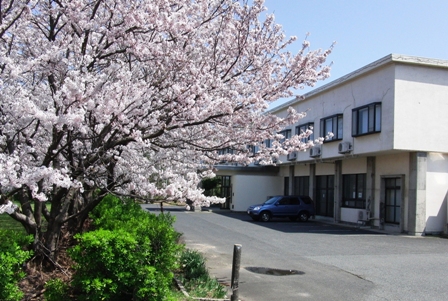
[210, 185]
[133, 98]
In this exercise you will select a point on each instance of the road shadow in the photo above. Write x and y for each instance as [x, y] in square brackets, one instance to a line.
[312, 226]
[166, 208]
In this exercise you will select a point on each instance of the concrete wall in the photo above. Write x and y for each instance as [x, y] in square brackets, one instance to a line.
[421, 109]
[251, 190]
[377, 86]
[437, 193]
[354, 166]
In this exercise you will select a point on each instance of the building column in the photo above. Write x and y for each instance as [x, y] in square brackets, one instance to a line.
[337, 190]
[291, 180]
[370, 184]
[417, 193]
[312, 184]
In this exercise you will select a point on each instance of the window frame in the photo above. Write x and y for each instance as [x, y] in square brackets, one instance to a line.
[357, 201]
[225, 151]
[371, 120]
[286, 135]
[305, 126]
[267, 143]
[335, 119]
[301, 185]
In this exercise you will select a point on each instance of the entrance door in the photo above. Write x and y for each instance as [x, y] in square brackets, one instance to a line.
[392, 200]
[325, 195]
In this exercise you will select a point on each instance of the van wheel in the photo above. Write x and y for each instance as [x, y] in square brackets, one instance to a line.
[304, 216]
[265, 216]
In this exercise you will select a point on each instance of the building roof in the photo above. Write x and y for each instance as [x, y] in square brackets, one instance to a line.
[397, 58]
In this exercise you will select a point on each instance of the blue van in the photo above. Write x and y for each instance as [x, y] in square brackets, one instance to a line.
[292, 206]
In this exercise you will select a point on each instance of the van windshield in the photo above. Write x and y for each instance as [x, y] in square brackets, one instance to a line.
[272, 200]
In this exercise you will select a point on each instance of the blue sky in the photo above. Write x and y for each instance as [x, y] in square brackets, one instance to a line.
[364, 30]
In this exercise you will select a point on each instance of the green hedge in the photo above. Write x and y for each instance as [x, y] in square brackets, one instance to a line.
[12, 257]
[130, 257]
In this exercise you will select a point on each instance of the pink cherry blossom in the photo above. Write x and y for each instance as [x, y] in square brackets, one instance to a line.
[101, 97]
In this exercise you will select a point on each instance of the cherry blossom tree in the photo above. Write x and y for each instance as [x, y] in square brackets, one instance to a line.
[134, 98]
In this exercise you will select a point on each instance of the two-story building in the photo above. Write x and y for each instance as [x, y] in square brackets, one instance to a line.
[387, 162]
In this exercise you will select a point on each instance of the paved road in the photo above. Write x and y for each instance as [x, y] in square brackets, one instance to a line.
[332, 262]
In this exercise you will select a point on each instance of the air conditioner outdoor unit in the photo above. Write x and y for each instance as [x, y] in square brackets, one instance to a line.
[315, 151]
[292, 156]
[344, 147]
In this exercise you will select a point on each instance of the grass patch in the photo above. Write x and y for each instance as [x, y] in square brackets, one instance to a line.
[8, 223]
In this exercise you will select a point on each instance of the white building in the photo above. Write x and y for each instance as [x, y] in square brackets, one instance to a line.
[388, 159]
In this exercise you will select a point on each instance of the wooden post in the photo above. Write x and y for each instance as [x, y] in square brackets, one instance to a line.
[235, 271]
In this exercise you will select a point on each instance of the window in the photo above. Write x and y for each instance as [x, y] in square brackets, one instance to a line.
[324, 198]
[393, 200]
[267, 143]
[225, 151]
[332, 124]
[366, 119]
[284, 201]
[301, 185]
[286, 135]
[253, 149]
[286, 186]
[354, 191]
[303, 128]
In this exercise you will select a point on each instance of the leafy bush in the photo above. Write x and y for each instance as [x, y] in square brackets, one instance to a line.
[130, 257]
[193, 265]
[12, 257]
[196, 277]
[56, 290]
[205, 287]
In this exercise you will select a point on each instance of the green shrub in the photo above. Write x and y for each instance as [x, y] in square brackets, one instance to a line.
[193, 265]
[154, 231]
[12, 257]
[130, 257]
[196, 277]
[56, 290]
[111, 266]
[205, 287]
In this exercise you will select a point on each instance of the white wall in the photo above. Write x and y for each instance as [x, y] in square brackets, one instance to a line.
[301, 170]
[251, 190]
[375, 86]
[421, 109]
[436, 193]
[354, 166]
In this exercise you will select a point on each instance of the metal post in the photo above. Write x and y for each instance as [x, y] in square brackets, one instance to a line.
[235, 271]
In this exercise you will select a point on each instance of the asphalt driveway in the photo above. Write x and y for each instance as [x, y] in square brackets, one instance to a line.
[330, 261]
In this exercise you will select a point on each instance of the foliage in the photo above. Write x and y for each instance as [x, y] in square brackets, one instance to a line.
[193, 265]
[205, 287]
[130, 257]
[12, 257]
[211, 186]
[56, 290]
[136, 97]
[196, 277]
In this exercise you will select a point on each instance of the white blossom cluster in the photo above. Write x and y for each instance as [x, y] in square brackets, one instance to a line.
[137, 97]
